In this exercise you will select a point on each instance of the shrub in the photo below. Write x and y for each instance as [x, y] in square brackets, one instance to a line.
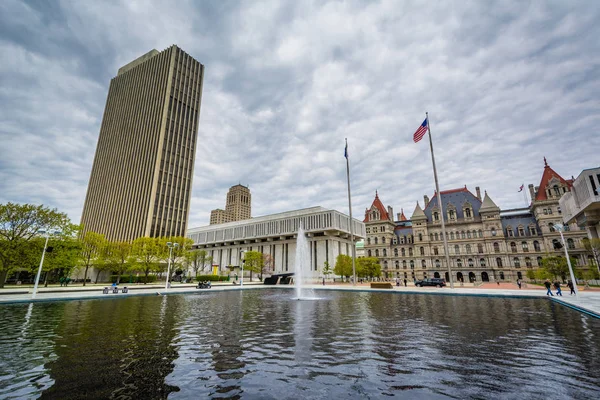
[133, 279]
[212, 278]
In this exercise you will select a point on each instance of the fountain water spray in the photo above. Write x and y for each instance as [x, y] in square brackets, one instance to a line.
[302, 262]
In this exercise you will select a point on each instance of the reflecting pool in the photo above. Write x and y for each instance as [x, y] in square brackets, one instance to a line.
[262, 344]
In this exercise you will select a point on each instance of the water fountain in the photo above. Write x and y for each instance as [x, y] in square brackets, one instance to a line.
[301, 263]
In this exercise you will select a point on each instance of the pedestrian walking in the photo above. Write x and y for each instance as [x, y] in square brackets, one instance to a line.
[557, 287]
[519, 283]
[548, 288]
[405, 282]
[323, 281]
[571, 286]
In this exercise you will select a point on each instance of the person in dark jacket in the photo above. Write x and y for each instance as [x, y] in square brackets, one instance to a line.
[571, 286]
[548, 288]
[557, 287]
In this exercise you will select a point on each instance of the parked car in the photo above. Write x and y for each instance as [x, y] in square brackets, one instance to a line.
[437, 282]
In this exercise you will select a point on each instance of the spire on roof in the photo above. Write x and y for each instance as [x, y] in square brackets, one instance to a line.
[545, 162]
[402, 216]
[418, 213]
[488, 204]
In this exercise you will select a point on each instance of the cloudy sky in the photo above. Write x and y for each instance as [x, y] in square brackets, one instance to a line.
[506, 83]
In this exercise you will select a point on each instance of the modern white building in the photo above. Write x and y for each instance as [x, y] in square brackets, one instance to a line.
[327, 231]
[582, 204]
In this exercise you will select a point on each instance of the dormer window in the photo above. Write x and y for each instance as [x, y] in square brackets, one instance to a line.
[436, 216]
[451, 215]
[509, 231]
[556, 190]
[467, 213]
[521, 231]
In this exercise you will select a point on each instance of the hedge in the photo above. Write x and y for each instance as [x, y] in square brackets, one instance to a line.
[134, 279]
[212, 278]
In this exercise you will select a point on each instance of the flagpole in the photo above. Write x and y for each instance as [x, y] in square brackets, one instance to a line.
[351, 222]
[439, 198]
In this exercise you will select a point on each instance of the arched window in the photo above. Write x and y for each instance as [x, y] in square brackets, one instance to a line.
[524, 246]
[459, 263]
[375, 240]
[513, 247]
[431, 237]
[420, 237]
[368, 240]
[385, 265]
[410, 252]
[423, 264]
[536, 245]
[479, 248]
[435, 235]
[397, 264]
[469, 234]
[412, 264]
[462, 234]
[539, 261]
[435, 251]
[517, 262]
[384, 252]
[456, 249]
[383, 239]
[499, 262]
[570, 244]
[556, 245]
[436, 216]
[403, 252]
[422, 251]
[471, 264]
[551, 227]
[437, 263]
[451, 235]
[376, 252]
[468, 249]
[528, 262]
[369, 253]
[404, 264]
[482, 262]
[395, 252]
[480, 233]
[496, 247]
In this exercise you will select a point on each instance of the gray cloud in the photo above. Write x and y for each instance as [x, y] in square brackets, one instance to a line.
[505, 84]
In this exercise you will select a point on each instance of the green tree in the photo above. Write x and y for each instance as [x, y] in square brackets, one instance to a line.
[253, 262]
[146, 255]
[62, 257]
[530, 275]
[343, 265]
[541, 274]
[198, 260]
[117, 256]
[592, 247]
[92, 245]
[327, 270]
[557, 266]
[369, 267]
[21, 223]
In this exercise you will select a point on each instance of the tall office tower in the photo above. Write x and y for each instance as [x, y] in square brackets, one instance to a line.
[218, 216]
[141, 180]
[238, 204]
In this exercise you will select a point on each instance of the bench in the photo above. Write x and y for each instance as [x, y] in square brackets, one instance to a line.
[381, 285]
[114, 289]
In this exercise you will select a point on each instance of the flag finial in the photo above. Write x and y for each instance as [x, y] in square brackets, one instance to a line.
[545, 162]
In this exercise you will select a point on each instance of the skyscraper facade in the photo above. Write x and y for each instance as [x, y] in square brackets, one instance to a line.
[238, 206]
[141, 179]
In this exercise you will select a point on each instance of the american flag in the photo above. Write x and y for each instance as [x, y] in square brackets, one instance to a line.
[420, 132]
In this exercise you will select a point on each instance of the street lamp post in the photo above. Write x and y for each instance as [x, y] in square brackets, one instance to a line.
[170, 245]
[37, 277]
[560, 228]
[243, 260]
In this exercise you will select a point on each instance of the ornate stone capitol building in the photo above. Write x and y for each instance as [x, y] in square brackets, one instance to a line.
[328, 233]
[485, 243]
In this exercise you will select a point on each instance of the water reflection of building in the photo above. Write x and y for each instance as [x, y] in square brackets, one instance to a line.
[328, 234]
[485, 243]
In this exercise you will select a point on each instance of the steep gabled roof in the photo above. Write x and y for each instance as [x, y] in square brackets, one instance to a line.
[418, 213]
[488, 204]
[456, 198]
[402, 216]
[379, 206]
[547, 176]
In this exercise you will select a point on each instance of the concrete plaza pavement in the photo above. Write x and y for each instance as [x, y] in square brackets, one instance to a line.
[587, 301]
